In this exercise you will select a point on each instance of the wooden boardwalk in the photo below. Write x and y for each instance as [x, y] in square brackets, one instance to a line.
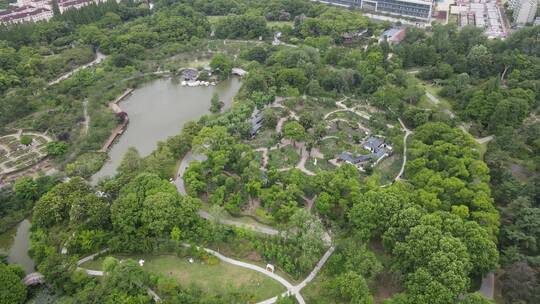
[120, 128]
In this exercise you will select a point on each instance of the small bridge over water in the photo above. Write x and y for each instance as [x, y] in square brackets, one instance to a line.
[33, 278]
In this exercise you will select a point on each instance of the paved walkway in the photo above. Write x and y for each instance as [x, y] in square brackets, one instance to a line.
[296, 289]
[487, 289]
[304, 155]
[479, 141]
[184, 164]
[407, 133]
[99, 58]
[484, 140]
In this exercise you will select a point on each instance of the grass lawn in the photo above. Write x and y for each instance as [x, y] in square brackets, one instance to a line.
[389, 167]
[331, 147]
[214, 19]
[226, 216]
[271, 24]
[212, 279]
[263, 139]
[283, 157]
[313, 293]
[322, 164]
[444, 104]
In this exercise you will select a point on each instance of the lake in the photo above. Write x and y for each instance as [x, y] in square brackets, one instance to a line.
[15, 243]
[158, 110]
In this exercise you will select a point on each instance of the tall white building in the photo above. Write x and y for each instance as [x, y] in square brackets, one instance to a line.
[524, 10]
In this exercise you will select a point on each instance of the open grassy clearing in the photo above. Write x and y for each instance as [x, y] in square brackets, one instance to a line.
[389, 167]
[443, 104]
[283, 157]
[321, 165]
[313, 293]
[263, 139]
[212, 279]
[226, 216]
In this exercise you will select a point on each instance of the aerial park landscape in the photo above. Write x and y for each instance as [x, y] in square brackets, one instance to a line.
[286, 151]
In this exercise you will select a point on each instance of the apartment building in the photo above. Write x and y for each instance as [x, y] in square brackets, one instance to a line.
[416, 9]
[524, 10]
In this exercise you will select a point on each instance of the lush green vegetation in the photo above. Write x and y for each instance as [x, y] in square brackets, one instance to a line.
[458, 213]
[12, 290]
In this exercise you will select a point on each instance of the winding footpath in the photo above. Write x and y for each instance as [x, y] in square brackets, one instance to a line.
[99, 58]
[99, 273]
[407, 134]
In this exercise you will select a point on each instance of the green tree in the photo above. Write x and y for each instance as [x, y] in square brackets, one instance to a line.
[57, 148]
[215, 104]
[350, 287]
[294, 131]
[26, 140]
[26, 188]
[12, 290]
[221, 65]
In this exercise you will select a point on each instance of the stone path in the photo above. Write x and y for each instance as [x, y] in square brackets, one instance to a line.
[99, 58]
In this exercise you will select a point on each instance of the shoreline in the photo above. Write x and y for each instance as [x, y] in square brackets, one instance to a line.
[119, 129]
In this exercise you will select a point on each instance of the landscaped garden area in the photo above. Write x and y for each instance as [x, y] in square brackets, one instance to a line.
[213, 277]
[19, 151]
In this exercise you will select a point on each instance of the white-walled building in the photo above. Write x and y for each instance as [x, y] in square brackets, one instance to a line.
[25, 14]
[524, 10]
[416, 9]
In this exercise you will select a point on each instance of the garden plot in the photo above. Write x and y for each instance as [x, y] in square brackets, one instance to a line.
[22, 150]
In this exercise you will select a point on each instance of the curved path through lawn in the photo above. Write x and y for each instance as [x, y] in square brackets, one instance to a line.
[407, 133]
[99, 273]
[99, 58]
